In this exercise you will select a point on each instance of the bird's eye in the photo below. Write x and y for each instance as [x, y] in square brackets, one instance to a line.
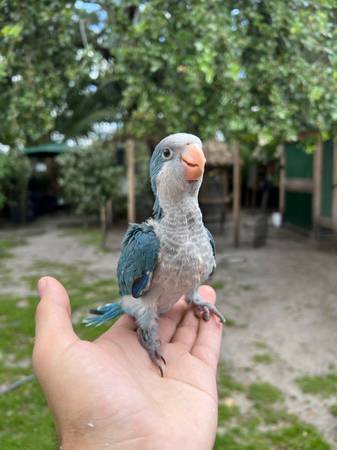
[167, 153]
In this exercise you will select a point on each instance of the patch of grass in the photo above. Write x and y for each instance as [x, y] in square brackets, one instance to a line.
[25, 420]
[268, 429]
[6, 245]
[262, 345]
[5, 275]
[87, 235]
[227, 412]
[322, 385]
[333, 409]
[298, 436]
[263, 358]
[217, 284]
[226, 383]
[230, 322]
[264, 393]
[70, 275]
[247, 287]
[247, 436]
[17, 326]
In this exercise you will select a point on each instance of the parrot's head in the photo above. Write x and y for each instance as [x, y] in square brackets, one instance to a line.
[176, 169]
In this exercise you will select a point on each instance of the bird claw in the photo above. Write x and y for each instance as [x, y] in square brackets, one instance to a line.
[152, 346]
[203, 310]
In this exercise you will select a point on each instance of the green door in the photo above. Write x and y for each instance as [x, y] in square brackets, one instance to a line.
[327, 179]
[298, 205]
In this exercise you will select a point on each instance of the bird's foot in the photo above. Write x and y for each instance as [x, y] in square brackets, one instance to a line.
[204, 310]
[152, 346]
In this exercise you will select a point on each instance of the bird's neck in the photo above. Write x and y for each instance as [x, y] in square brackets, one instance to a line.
[182, 211]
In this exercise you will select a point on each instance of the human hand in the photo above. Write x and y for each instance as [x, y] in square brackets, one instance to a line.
[108, 394]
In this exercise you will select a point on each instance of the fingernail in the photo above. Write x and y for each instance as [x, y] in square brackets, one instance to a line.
[42, 286]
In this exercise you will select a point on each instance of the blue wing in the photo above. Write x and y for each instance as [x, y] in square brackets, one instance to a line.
[138, 259]
[212, 242]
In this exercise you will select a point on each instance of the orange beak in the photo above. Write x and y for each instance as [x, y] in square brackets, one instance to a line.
[193, 160]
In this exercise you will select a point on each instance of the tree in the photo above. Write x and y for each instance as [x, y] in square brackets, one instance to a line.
[91, 180]
[15, 172]
[257, 69]
[40, 59]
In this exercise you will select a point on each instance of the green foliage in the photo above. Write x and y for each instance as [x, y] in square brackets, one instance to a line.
[15, 172]
[3, 176]
[261, 69]
[323, 385]
[90, 178]
[39, 60]
[257, 71]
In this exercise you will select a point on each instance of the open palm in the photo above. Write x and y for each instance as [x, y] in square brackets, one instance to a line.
[108, 394]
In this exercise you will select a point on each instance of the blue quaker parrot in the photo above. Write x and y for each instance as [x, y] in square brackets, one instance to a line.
[169, 255]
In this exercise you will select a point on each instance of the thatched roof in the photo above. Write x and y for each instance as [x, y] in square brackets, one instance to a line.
[217, 153]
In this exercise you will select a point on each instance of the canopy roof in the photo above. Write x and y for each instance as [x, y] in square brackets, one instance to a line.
[217, 153]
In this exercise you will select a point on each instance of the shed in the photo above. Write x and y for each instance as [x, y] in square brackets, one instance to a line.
[222, 171]
[308, 194]
[215, 187]
[45, 193]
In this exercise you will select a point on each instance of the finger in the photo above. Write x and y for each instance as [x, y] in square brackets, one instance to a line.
[169, 322]
[208, 341]
[186, 332]
[53, 327]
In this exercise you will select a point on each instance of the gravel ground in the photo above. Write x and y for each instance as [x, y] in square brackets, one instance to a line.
[281, 301]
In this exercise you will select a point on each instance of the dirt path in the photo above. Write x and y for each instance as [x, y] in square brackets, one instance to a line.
[281, 301]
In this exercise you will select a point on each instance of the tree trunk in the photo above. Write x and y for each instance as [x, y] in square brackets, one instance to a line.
[103, 227]
[109, 215]
[130, 151]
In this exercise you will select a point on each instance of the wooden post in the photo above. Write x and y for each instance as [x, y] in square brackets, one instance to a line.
[317, 179]
[282, 181]
[130, 152]
[334, 192]
[225, 187]
[236, 194]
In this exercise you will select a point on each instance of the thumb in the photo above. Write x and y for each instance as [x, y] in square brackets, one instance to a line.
[53, 327]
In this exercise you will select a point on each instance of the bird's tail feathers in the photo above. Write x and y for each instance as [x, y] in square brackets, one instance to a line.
[104, 313]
